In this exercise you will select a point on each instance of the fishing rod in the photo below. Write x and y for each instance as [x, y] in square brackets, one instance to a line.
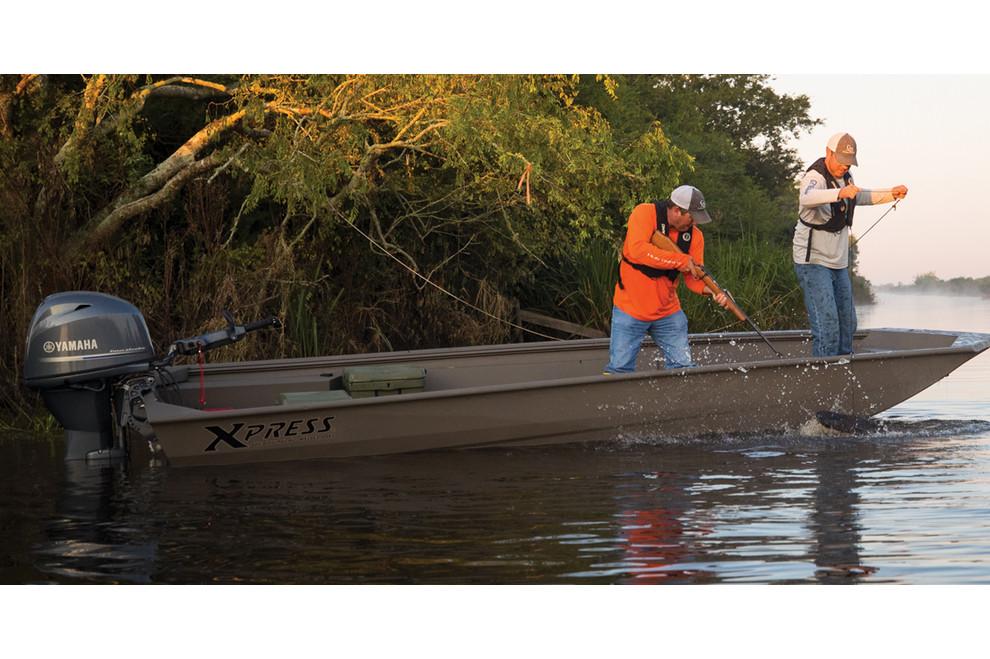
[858, 240]
[665, 243]
[855, 240]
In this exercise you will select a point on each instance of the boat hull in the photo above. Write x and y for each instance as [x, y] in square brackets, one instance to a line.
[498, 401]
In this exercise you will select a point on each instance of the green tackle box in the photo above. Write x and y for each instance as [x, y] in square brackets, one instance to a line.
[386, 380]
[307, 397]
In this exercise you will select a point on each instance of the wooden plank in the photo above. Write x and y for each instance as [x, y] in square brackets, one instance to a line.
[527, 316]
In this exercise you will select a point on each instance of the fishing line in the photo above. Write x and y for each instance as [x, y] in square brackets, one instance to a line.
[860, 239]
[444, 290]
[781, 298]
[546, 336]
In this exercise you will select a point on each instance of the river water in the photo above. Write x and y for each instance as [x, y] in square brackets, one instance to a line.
[909, 506]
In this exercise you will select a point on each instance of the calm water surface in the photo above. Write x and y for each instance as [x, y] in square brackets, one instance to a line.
[911, 505]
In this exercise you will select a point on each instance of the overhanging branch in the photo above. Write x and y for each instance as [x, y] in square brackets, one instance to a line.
[112, 222]
[176, 87]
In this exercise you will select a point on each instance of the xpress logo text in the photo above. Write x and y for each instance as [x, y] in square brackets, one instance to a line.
[240, 435]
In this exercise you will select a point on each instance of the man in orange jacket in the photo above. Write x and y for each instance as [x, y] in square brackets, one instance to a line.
[645, 300]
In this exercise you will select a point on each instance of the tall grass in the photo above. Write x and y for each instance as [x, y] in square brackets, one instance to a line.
[303, 324]
[758, 274]
[582, 288]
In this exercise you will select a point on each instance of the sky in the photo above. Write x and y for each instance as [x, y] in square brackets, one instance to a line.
[928, 132]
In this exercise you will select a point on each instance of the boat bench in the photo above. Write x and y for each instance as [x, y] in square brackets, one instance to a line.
[364, 382]
[385, 380]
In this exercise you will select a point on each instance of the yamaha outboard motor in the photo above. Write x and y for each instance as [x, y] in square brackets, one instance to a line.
[78, 344]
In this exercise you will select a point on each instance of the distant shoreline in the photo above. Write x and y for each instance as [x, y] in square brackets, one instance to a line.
[968, 291]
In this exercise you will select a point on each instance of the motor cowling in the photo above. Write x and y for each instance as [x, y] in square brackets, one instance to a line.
[78, 343]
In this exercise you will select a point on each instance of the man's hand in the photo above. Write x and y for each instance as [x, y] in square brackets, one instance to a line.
[721, 299]
[850, 192]
[692, 268]
[899, 191]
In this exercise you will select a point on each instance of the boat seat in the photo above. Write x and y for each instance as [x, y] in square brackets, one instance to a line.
[384, 380]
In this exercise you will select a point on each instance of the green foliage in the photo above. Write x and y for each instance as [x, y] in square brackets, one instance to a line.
[759, 275]
[745, 110]
[319, 196]
[735, 128]
[580, 286]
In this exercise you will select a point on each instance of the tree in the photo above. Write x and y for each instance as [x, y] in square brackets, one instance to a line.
[735, 127]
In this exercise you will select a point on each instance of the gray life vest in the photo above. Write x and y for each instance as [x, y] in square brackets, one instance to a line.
[842, 210]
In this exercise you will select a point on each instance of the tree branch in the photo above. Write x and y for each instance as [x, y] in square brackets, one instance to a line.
[227, 164]
[200, 90]
[186, 154]
[24, 82]
[334, 202]
[191, 93]
[100, 226]
[84, 117]
[143, 194]
[123, 212]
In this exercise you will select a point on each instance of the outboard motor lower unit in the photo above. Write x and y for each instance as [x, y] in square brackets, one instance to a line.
[78, 343]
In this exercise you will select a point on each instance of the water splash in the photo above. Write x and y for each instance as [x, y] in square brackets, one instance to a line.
[813, 428]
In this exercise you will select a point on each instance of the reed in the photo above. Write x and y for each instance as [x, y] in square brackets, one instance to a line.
[301, 325]
[759, 275]
[26, 415]
[586, 283]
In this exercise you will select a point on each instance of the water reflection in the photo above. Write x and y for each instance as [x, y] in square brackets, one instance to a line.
[653, 532]
[835, 522]
[747, 509]
[88, 539]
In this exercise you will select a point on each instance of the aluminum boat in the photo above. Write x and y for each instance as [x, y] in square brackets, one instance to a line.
[505, 395]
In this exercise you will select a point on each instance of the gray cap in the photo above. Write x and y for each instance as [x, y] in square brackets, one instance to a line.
[690, 198]
[844, 147]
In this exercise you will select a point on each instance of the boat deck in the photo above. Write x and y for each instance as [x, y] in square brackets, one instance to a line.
[288, 381]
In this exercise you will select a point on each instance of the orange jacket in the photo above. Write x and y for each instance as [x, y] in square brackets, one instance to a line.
[649, 299]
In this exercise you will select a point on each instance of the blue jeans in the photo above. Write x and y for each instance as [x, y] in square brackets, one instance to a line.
[669, 333]
[831, 313]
